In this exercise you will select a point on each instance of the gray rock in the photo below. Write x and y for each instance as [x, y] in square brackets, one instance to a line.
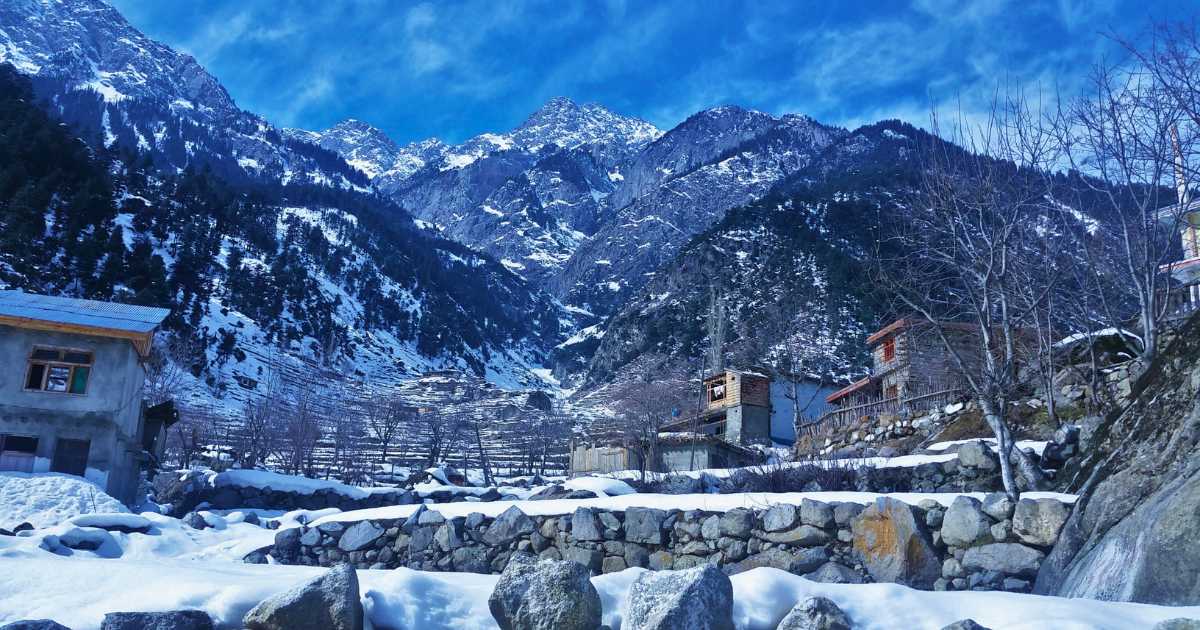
[448, 537]
[430, 517]
[816, 513]
[589, 558]
[287, 545]
[779, 517]
[844, 513]
[310, 537]
[1179, 623]
[965, 524]
[1006, 558]
[360, 535]
[834, 573]
[803, 536]
[546, 595]
[779, 558]
[34, 624]
[978, 455]
[610, 522]
[195, 521]
[710, 529]
[661, 560]
[815, 613]
[636, 556]
[1001, 531]
[613, 564]
[585, 525]
[737, 523]
[421, 539]
[327, 602]
[998, 506]
[470, 560]
[965, 624]
[1037, 522]
[894, 546]
[510, 525]
[644, 525]
[171, 620]
[700, 598]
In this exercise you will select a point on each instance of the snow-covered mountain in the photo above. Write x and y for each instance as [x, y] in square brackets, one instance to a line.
[270, 250]
[121, 89]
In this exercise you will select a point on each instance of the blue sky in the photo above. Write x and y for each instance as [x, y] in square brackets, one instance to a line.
[455, 69]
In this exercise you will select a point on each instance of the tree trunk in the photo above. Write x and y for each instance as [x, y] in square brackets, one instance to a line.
[1008, 451]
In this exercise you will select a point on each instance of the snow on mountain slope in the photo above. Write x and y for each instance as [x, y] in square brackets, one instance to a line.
[124, 89]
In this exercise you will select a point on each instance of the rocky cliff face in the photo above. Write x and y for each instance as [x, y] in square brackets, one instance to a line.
[1132, 536]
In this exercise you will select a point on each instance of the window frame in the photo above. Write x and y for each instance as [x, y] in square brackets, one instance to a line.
[889, 349]
[48, 364]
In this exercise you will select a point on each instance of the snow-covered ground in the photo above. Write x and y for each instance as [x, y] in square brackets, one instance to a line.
[162, 564]
[77, 593]
[46, 499]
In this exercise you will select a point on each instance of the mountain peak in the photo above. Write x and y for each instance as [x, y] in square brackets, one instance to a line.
[564, 122]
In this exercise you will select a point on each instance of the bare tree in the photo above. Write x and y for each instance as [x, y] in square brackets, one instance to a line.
[301, 426]
[258, 437]
[166, 376]
[968, 252]
[1124, 137]
[644, 402]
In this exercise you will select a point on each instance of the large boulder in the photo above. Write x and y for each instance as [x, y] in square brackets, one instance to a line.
[171, 620]
[700, 598]
[1006, 558]
[1132, 534]
[815, 613]
[1179, 623]
[737, 523]
[779, 558]
[510, 525]
[329, 601]
[894, 546]
[1037, 522]
[779, 517]
[834, 573]
[965, 524]
[545, 595]
[34, 624]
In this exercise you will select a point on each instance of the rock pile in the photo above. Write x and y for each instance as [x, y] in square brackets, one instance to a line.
[996, 545]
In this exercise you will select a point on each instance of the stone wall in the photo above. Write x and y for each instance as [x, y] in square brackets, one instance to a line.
[971, 545]
[868, 434]
[195, 489]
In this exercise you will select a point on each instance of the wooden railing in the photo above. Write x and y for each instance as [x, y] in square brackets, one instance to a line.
[922, 401]
[1181, 300]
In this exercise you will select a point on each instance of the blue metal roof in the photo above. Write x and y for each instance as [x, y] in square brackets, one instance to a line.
[77, 312]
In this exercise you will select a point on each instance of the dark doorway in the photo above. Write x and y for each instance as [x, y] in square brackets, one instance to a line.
[17, 452]
[70, 456]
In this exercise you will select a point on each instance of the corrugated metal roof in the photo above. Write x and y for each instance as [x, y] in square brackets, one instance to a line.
[62, 310]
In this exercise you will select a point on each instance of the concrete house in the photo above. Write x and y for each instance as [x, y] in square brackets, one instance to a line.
[71, 396]
[1183, 276]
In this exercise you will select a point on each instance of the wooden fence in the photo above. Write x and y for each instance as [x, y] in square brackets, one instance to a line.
[921, 399]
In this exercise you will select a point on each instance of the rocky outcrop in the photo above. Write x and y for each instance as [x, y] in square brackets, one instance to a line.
[34, 624]
[1133, 533]
[327, 602]
[700, 598]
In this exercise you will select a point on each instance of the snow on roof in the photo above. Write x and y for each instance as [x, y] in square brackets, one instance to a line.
[78, 312]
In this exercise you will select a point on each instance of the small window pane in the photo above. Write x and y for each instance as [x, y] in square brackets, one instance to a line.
[46, 355]
[56, 378]
[81, 358]
[79, 380]
[36, 372]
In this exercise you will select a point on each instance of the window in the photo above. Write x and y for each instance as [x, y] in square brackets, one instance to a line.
[70, 456]
[17, 452]
[59, 370]
[716, 390]
[889, 349]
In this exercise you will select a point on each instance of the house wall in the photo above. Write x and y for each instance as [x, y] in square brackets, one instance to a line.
[921, 358]
[748, 424]
[107, 415]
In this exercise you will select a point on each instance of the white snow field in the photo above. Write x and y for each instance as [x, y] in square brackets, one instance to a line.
[45, 499]
[77, 593]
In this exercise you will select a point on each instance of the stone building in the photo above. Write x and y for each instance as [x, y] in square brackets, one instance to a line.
[1182, 295]
[909, 359]
[71, 398]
